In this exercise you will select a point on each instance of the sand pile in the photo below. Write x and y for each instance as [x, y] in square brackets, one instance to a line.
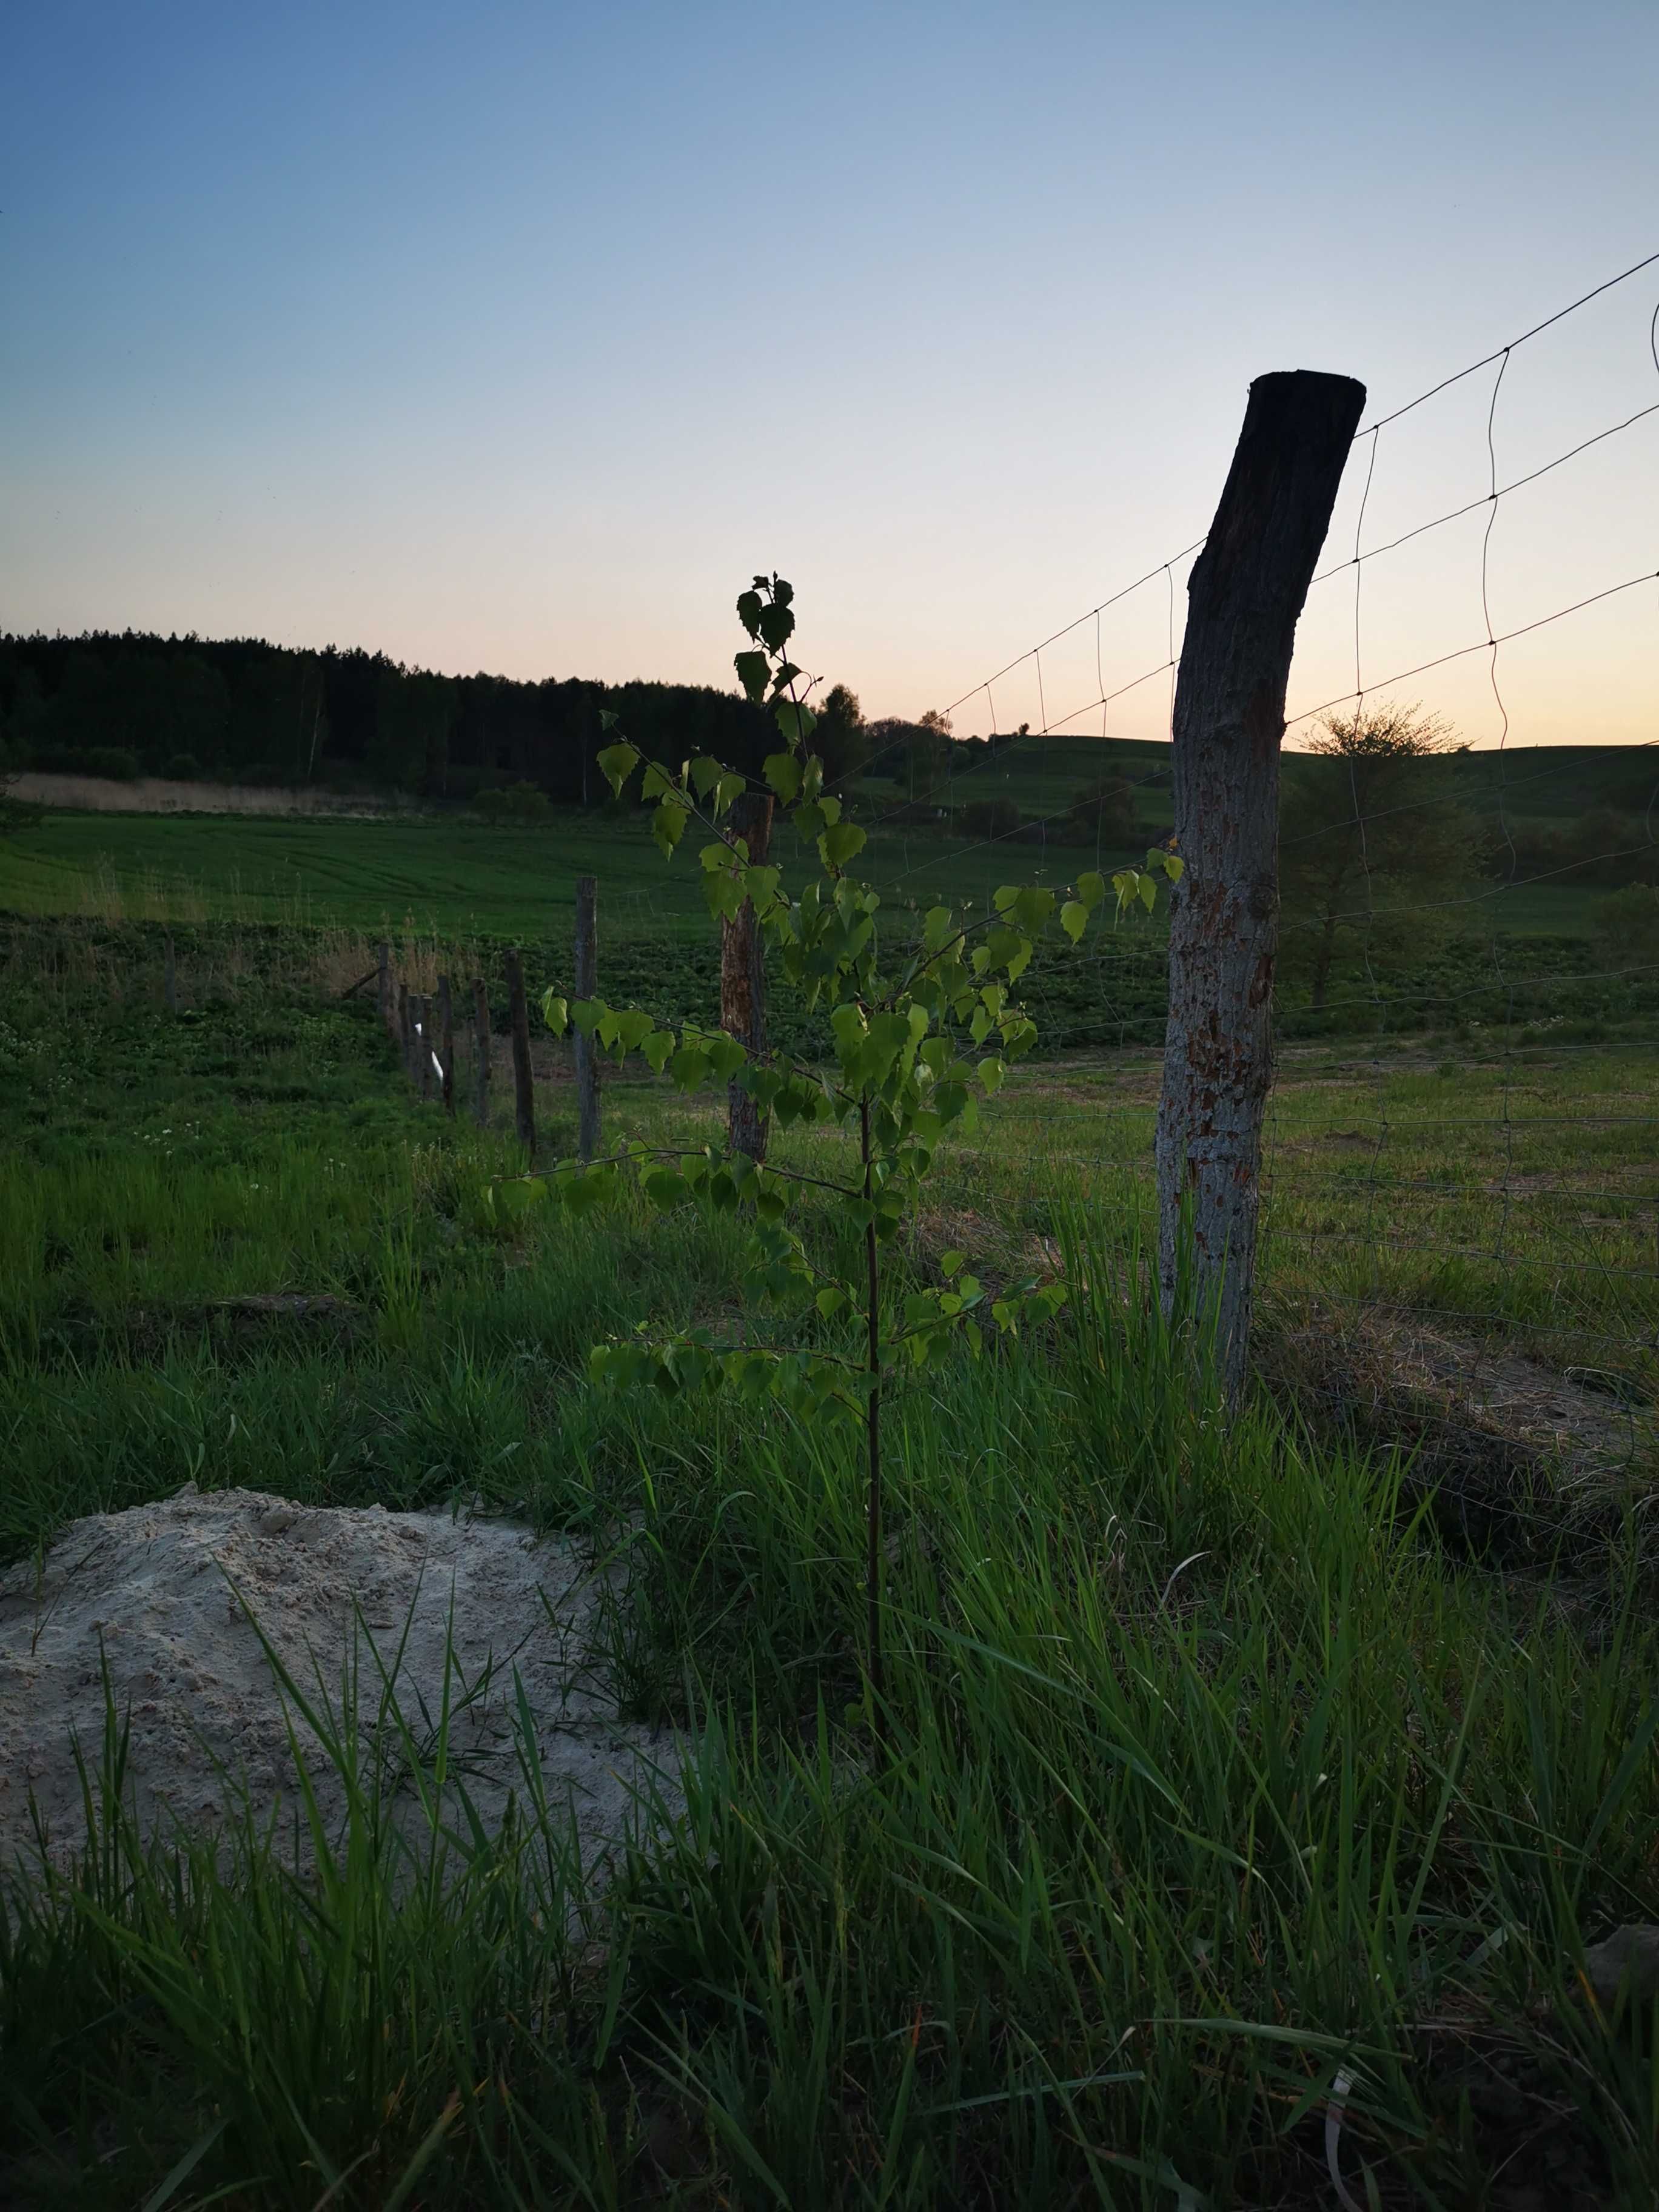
[166, 1596]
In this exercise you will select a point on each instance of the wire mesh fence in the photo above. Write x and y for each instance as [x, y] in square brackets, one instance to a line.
[1461, 1198]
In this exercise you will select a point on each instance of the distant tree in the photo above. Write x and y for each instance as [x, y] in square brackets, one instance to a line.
[842, 737]
[1370, 837]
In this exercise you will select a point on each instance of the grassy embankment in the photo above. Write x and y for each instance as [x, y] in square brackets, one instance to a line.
[1214, 1770]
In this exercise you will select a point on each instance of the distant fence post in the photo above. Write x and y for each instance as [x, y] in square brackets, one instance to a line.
[170, 978]
[1243, 599]
[383, 984]
[446, 1032]
[480, 1052]
[406, 1029]
[423, 1026]
[587, 973]
[742, 979]
[524, 1086]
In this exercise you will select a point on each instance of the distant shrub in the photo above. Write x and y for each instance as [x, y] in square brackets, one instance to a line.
[1626, 924]
[519, 803]
[987, 817]
[1104, 814]
[112, 760]
[183, 767]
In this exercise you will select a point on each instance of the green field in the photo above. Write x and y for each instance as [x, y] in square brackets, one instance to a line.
[456, 875]
[1225, 1752]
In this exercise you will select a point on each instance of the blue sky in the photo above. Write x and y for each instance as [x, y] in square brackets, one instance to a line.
[515, 338]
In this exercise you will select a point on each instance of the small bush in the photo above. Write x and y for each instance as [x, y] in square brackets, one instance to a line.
[522, 803]
[987, 817]
[183, 767]
[112, 760]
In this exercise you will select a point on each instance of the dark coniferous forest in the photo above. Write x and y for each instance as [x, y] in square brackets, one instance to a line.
[238, 710]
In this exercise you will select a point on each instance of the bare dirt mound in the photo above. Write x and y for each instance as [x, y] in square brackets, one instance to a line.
[165, 1598]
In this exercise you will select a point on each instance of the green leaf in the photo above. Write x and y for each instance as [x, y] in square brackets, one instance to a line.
[706, 773]
[617, 763]
[555, 1012]
[1174, 866]
[1091, 888]
[754, 669]
[657, 1047]
[991, 1072]
[782, 773]
[1074, 920]
[1148, 893]
[668, 827]
[796, 723]
[663, 1188]
[749, 613]
[841, 843]
[829, 1301]
[777, 624]
[608, 718]
[727, 791]
[950, 1263]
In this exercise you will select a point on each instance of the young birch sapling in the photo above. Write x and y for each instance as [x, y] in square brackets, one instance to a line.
[917, 1029]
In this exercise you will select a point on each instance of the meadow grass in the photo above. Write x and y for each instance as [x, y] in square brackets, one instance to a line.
[1214, 1775]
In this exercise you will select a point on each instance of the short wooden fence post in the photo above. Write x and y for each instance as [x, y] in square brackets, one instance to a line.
[524, 1083]
[480, 1052]
[383, 985]
[587, 983]
[406, 1029]
[446, 1032]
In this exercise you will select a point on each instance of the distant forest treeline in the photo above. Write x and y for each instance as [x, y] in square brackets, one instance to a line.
[238, 710]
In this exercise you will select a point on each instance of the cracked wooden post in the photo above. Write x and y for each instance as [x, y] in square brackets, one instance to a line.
[446, 1047]
[523, 1081]
[586, 985]
[480, 1052]
[1243, 599]
[742, 979]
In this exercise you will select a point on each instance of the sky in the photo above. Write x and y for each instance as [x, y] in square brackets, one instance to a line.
[517, 337]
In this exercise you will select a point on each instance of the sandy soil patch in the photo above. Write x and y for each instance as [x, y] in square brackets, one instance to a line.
[165, 1597]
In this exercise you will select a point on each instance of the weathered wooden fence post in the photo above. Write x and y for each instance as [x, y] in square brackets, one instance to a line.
[447, 1033]
[1243, 599]
[383, 984]
[524, 1085]
[742, 979]
[423, 1027]
[587, 983]
[480, 1052]
[170, 978]
[406, 1029]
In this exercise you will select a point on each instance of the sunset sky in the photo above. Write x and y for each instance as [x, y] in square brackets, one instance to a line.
[515, 338]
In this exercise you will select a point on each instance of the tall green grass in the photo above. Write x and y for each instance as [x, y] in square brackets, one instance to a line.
[1207, 1779]
[1211, 1777]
